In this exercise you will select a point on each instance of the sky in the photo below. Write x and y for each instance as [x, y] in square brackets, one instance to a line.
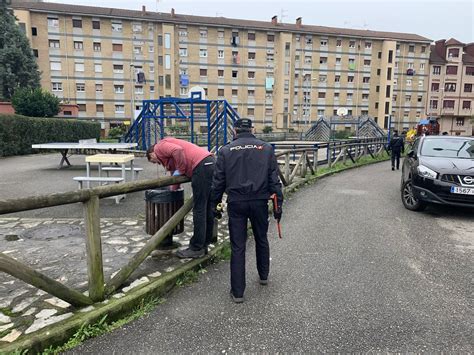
[422, 17]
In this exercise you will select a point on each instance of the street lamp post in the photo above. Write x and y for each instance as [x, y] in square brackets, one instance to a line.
[132, 101]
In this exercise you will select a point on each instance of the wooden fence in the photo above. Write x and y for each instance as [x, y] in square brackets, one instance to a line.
[297, 161]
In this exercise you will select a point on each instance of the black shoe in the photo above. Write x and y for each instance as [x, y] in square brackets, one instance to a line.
[236, 299]
[398, 168]
[189, 253]
[393, 168]
[264, 282]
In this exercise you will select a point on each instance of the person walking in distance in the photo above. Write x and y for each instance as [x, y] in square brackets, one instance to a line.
[247, 170]
[397, 146]
[184, 158]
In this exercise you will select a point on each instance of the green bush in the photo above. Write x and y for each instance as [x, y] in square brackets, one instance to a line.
[18, 133]
[117, 132]
[267, 129]
[35, 103]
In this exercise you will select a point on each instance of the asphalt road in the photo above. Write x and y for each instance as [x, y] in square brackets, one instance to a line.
[355, 272]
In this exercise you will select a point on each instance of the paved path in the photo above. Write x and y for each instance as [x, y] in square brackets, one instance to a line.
[355, 272]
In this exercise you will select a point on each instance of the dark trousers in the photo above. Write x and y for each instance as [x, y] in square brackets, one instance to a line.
[203, 217]
[239, 212]
[395, 156]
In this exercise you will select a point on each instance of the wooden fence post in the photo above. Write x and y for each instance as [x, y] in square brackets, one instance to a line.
[303, 165]
[95, 269]
[287, 167]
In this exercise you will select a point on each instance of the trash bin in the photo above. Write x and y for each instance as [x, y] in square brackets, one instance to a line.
[161, 205]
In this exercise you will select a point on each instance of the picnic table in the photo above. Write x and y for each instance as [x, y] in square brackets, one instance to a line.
[65, 148]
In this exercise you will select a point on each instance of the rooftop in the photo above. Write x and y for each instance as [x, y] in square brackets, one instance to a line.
[211, 21]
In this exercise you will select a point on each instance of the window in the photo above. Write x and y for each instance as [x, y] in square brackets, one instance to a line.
[78, 45]
[119, 89]
[235, 92]
[434, 104]
[203, 72]
[97, 46]
[367, 62]
[99, 88]
[54, 43]
[54, 65]
[337, 78]
[469, 70]
[422, 66]
[251, 56]
[203, 53]
[307, 59]
[81, 107]
[53, 22]
[34, 31]
[419, 98]
[220, 34]
[435, 87]
[324, 42]
[251, 75]
[80, 87]
[321, 95]
[450, 87]
[119, 108]
[451, 70]
[137, 49]
[378, 71]
[138, 89]
[270, 57]
[368, 45]
[453, 53]
[323, 60]
[408, 82]
[96, 24]
[338, 43]
[203, 33]
[220, 54]
[251, 93]
[99, 108]
[160, 80]
[117, 47]
[466, 105]
[235, 73]
[160, 60]
[352, 44]
[410, 66]
[350, 95]
[76, 23]
[151, 68]
[57, 86]
[411, 48]
[152, 88]
[167, 40]
[421, 83]
[220, 73]
[407, 98]
[251, 36]
[436, 70]
[322, 78]
[270, 38]
[351, 61]
[448, 104]
[167, 61]
[467, 87]
[365, 96]
[377, 88]
[151, 48]
[160, 40]
[389, 73]
[116, 26]
[390, 56]
[220, 92]
[460, 121]
[137, 27]
[250, 111]
[350, 79]
[79, 67]
[338, 61]
[118, 68]
[366, 79]
[98, 68]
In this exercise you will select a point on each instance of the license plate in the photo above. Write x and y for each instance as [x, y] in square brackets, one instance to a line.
[462, 190]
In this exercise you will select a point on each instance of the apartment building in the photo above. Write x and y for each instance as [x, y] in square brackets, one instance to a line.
[281, 75]
[451, 84]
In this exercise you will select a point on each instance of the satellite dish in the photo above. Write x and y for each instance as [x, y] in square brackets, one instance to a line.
[197, 89]
[342, 111]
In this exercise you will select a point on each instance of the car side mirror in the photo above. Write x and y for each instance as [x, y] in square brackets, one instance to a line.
[411, 154]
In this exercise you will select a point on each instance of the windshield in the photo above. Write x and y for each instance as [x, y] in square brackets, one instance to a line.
[448, 148]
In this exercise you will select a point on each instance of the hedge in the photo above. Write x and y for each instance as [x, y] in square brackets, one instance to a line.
[18, 133]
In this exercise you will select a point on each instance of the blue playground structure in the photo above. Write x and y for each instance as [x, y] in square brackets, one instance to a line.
[159, 116]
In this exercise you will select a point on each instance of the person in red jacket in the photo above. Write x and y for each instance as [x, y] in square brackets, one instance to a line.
[184, 158]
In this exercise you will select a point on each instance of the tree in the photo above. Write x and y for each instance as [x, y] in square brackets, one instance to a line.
[18, 67]
[35, 103]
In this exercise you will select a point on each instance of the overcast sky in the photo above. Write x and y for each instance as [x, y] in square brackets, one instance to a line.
[433, 19]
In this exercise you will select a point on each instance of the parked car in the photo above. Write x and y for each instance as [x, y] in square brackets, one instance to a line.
[438, 169]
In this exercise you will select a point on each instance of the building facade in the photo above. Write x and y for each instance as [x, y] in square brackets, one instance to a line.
[451, 84]
[281, 75]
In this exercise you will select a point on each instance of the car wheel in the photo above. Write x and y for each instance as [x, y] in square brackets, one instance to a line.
[409, 199]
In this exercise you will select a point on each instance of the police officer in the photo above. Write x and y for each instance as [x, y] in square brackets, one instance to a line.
[397, 146]
[247, 170]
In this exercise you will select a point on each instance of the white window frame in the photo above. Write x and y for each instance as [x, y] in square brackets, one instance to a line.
[137, 49]
[80, 45]
[101, 87]
[421, 83]
[79, 67]
[119, 89]
[55, 65]
[323, 42]
[119, 108]
[56, 86]
[368, 45]
[220, 53]
[408, 82]
[137, 28]
[167, 40]
[97, 68]
[56, 43]
[220, 34]
[96, 48]
[422, 66]
[151, 68]
[53, 22]
[117, 26]
[183, 90]
[81, 87]
[202, 33]
[117, 71]
[202, 53]
[151, 48]
[139, 89]
[167, 61]
[183, 52]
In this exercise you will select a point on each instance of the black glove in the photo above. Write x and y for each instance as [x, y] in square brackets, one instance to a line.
[277, 214]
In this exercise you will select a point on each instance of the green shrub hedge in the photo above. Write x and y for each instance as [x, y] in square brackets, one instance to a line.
[18, 133]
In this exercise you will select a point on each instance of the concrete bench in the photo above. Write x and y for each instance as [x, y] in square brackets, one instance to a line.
[136, 170]
[81, 179]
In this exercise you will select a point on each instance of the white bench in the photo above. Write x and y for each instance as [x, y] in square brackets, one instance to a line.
[136, 170]
[81, 179]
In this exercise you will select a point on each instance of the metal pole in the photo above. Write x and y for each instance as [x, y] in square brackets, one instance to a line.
[132, 101]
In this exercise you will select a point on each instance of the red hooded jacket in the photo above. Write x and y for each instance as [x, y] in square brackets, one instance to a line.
[177, 154]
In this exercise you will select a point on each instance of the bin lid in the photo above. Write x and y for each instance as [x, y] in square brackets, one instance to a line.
[163, 195]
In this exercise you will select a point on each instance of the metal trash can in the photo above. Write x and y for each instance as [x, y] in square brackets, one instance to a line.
[161, 205]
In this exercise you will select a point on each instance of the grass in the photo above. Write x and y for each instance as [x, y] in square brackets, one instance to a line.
[100, 327]
[8, 312]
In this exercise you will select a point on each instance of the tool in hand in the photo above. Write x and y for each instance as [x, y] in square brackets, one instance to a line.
[277, 209]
